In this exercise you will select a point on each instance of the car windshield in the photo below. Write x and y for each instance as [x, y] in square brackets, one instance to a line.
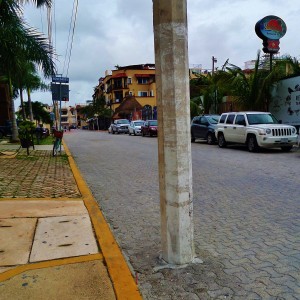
[254, 119]
[123, 122]
[138, 123]
[153, 123]
[213, 119]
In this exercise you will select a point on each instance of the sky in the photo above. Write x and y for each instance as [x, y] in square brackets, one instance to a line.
[118, 32]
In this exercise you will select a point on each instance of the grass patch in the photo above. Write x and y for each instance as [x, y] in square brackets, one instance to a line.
[27, 157]
[45, 141]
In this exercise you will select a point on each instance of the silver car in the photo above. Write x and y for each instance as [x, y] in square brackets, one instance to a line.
[135, 127]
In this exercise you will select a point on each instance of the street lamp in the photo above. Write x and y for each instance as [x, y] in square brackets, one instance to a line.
[214, 60]
[96, 115]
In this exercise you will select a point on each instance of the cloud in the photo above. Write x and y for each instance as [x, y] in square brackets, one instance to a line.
[118, 32]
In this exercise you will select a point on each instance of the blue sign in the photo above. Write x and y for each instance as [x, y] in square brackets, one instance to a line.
[60, 79]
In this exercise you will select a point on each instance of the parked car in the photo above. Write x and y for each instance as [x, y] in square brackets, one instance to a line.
[135, 127]
[120, 126]
[203, 127]
[255, 129]
[109, 130]
[149, 128]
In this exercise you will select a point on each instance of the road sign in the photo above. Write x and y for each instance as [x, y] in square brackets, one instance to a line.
[60, 92]
[60, 79]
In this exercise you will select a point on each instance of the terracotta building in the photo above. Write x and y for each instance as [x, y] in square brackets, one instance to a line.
[130, 91]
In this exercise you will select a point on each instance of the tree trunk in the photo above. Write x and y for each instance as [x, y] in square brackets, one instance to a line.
[30, 105]
[22, 104]
[15, 134]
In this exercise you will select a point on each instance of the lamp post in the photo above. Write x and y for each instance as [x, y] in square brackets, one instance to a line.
[214, 60]
[96, 115]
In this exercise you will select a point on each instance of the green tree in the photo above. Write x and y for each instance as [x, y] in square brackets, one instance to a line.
[40, 114]
[19, 44]
[253, 91]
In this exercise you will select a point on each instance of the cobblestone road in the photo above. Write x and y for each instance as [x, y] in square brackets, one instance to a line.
[246, 215]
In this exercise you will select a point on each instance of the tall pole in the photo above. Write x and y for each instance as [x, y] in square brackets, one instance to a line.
[174, 141]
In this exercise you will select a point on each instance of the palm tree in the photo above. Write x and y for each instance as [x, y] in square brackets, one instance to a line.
[19, 44]
[253, 91]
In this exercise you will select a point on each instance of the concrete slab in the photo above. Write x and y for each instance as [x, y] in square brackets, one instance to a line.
[16, 237]
[42, 208]
[88, 280]
[59, 237]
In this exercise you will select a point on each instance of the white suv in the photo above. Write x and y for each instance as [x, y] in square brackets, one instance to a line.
[255, 129]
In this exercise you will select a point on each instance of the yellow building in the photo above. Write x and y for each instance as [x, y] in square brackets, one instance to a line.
[130, 91]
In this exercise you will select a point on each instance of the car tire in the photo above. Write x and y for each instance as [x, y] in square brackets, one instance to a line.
[252, 143]
[286, 148]
[210, 139]
[192, 138]
[113, 132]
[221, 140]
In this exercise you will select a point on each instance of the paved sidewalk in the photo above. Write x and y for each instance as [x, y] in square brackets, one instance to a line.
[54, 240]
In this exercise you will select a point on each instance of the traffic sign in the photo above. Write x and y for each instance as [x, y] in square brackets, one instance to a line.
[60, 79]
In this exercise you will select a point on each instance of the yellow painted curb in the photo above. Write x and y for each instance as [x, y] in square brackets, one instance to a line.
[121, 277]
[47, 264]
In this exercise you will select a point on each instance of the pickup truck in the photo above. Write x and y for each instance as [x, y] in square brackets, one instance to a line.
[120, 126]
[255, 130]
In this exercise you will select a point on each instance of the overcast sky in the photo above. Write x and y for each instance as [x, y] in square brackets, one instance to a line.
[119, 32]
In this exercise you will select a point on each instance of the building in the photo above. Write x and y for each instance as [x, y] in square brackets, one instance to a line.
[135, 85]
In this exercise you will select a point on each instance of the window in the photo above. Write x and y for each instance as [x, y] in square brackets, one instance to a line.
[240, 120]
[142, 80]
[203, 121]
[196, 120]
[222, 119]
[230, 119]
[142, 94]
[152, 93]
[129, 80]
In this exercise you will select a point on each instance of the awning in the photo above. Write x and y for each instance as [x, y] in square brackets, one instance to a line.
[120, 75]
[142, 75]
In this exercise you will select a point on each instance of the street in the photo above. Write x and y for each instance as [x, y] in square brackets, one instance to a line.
[246, 216]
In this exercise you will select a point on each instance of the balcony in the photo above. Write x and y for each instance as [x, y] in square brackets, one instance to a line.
[120, 86]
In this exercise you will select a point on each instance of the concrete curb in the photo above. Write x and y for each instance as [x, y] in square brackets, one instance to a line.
[119, 272]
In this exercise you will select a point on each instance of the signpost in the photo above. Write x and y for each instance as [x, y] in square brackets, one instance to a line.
[60, 92]
[270, 29]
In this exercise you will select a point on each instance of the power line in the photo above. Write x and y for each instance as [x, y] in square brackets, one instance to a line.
[74, 17]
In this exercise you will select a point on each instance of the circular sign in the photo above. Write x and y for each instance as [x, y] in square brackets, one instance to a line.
[270, 27]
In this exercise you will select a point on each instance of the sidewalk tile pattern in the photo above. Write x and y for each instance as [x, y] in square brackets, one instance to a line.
[38, 175]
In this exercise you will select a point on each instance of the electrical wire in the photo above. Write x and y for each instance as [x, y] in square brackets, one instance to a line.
[70, 38]
[74, 25]
[70, 27]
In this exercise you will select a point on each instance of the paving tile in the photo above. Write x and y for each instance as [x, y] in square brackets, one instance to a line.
[16, 237]
[42, 208]
[67, 236]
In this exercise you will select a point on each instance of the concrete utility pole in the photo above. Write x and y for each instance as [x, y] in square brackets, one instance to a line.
[174, 141]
